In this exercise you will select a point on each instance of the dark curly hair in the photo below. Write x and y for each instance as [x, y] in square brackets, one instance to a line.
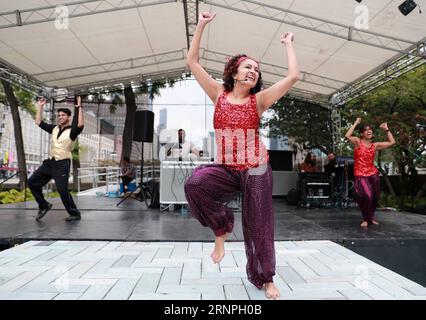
[364, 127]
[231, 69]
[65, 110]
[309, 159]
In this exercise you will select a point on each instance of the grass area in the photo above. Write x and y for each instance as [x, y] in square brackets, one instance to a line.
[14, 196]
[410, 205]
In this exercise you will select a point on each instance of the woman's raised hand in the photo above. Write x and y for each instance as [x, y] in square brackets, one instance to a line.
[206, 17]
[384, 126]
[287, 37]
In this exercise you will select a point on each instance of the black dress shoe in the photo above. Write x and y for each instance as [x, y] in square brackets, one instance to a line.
[73, 217]
[42, 212]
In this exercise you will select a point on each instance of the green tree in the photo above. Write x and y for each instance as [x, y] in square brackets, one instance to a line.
[17, 98]
[151, 89]
[402, 104]
[99, 98]
[306, 123]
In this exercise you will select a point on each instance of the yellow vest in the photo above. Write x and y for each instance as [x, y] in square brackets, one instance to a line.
[61, 148]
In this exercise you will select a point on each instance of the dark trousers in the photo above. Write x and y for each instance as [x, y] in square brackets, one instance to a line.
[60, 172]
[367, 195]
[126, 181]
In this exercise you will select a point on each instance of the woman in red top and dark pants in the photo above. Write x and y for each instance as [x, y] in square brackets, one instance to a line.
[242, 158]
[367, 180]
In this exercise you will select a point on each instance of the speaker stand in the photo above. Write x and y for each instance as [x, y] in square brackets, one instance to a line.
[139, 195]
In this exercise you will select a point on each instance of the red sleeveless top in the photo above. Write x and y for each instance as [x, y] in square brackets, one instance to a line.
[237, 134]
[364, 160]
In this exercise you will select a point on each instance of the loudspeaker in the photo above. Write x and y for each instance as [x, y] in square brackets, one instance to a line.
[143, 128]
[281, 160]
[155, 195]
[316, 187]
[407, 6]
[293, 197]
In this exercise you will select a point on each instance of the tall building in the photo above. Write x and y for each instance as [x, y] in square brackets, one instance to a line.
[211, 145]
[96, 141]
[279, 143]
[148, 103]
[163, 120]
[116, 118]
[162, 125]
[103, 113]
[89, 141]
[36, 141]
[94, 147]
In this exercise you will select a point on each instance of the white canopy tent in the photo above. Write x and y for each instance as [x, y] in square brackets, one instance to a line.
[111, 42]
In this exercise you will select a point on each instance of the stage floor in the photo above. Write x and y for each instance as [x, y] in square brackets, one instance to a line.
[399, 243]
[96, 270]
[103, 220]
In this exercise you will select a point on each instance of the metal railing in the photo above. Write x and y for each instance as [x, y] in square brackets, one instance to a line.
[110, 176]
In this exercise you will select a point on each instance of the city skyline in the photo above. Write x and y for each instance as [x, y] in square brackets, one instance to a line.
[186, 97]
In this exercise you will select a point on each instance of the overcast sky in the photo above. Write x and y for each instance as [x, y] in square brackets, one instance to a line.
[188, 107]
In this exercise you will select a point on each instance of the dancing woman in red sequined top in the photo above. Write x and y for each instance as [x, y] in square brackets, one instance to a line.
[242, 160]
[367, 180]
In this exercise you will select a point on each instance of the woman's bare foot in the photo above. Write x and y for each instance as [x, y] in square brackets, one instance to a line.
[271, 291]
[219, 248]
[364, 224]
[375, 222]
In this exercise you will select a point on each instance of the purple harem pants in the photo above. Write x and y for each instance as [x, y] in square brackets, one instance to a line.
[367, 195]
[207, 191]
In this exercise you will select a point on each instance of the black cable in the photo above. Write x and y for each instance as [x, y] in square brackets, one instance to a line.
[173, 181]
[9, 178]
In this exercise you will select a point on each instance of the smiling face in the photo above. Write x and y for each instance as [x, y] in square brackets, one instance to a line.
[248, 70]
[63, 118]
[244, 72]
[367, 133]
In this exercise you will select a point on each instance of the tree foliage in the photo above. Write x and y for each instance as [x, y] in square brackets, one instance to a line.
[402, 104]
[308, 124]
[25, 99]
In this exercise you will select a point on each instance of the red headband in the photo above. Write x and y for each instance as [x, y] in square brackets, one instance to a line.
[241, 59]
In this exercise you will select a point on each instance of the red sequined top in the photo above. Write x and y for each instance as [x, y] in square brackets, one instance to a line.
[238, 123]
[364, 160]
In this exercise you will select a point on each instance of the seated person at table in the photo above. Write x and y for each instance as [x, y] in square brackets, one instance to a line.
[184, 150]
[309, 165]
[330, 166]
[128, 173]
